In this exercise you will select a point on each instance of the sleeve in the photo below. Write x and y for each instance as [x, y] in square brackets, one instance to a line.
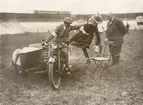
[76, 27]
[49, 38]
[121, 27]
[83, 31]
[55, 32]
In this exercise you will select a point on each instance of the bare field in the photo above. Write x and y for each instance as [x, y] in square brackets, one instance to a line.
[120, 85]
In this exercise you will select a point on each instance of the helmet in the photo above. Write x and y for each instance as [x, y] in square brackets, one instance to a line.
[68, 20]
[97, 19]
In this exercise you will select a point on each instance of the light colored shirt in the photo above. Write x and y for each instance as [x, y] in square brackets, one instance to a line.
[54, 33]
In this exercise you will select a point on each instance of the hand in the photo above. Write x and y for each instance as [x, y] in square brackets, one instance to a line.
[44, 44]
[88, 61]
[67, 42]
[106, 41]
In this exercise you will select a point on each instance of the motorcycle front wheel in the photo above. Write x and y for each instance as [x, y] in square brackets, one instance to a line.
[54, 76]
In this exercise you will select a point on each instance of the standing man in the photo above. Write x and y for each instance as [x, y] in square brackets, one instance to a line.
[115, 33]
[127, 28]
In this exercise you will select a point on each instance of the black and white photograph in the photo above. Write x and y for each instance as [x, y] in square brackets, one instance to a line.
[71, 52]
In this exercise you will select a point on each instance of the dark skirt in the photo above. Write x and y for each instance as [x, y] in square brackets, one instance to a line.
[82, 40]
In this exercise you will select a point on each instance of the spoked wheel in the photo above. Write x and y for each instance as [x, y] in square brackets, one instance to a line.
[54, 75]
[56, 70]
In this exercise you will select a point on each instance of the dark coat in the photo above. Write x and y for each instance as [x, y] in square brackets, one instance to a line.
[115, 31]
[84, 40]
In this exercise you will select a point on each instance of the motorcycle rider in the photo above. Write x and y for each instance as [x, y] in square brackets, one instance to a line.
[61, 35]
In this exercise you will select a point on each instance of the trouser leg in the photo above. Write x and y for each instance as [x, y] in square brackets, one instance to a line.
[65, 50]
[127, 31]
[67, 68]
[115, 53]
[86, 55]
[116, 59]
[85, 52]
[67, 60]
[101, 49]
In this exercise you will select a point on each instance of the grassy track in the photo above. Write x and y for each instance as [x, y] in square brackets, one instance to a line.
[120, 85]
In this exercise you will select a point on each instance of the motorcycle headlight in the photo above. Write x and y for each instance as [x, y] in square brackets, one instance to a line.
[54, 46]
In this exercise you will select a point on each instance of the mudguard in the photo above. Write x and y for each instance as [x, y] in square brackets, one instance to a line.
[16, 58]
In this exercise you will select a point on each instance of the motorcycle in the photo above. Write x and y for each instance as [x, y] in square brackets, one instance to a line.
[45, 58]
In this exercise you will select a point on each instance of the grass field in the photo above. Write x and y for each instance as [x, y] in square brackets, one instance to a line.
[120, 85]
[21, 27]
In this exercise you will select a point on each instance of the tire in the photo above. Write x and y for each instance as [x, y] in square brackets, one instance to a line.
[17, 69]
[15, 56]
[54, 76]
[57, 69]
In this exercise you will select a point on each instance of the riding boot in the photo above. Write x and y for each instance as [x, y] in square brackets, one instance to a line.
[67, 68]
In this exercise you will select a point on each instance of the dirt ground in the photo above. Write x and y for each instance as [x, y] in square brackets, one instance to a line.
[119, 85]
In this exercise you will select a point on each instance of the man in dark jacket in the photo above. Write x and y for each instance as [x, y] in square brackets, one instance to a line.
[115, 33]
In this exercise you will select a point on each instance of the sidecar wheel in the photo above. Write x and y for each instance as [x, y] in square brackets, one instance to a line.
[15, 57]
[54, 76]
[17, 69]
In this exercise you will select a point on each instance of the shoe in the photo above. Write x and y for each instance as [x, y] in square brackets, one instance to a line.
[88, 61]
[113, 66]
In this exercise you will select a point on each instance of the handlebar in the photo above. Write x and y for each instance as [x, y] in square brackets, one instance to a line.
[46, 45]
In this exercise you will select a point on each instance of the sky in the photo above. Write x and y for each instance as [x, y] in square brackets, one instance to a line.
[74, 6]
